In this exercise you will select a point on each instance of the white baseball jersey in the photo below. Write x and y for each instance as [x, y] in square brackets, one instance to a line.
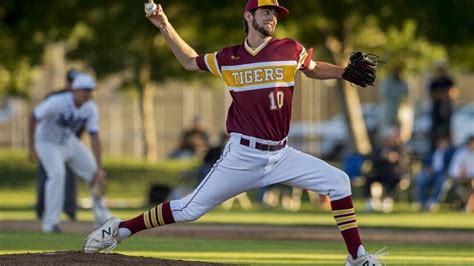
[59, 119]
[462, 162]
[56, 144]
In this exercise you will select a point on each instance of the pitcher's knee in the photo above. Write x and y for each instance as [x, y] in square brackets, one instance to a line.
[187, 215]
[185, 211]
[343, 185]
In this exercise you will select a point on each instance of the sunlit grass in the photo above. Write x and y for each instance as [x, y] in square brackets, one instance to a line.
[445, 220]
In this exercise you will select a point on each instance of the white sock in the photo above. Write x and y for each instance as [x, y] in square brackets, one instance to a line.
[360, 251]
[123, 233]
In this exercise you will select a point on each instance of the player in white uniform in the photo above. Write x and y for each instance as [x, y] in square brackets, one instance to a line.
[53, 141]
[260, 76]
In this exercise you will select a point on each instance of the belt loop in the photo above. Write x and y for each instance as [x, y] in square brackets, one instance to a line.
[253, 142]
[238, 137]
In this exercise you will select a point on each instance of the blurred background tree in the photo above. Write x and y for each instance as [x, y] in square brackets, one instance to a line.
[113, 37]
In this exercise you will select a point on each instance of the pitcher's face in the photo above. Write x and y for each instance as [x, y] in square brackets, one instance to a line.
[265, 21]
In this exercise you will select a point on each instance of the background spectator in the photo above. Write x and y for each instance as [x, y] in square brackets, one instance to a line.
[442, 92]
[430, 180]
[462, 171]
[393, 92]
[388, 165]
[194, 141]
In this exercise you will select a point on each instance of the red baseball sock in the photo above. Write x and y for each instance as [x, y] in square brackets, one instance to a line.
[344, 213]
[158, 216]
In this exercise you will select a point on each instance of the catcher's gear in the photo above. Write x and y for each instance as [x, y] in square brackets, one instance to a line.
[361, 69]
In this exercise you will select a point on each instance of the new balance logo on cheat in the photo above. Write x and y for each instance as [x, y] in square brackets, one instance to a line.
[106, 232]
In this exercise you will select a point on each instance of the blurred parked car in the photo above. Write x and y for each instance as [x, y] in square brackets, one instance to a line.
[463, 123]
[328, 138]
[461, 128]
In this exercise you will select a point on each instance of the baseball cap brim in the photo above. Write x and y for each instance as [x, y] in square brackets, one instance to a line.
[281, 11]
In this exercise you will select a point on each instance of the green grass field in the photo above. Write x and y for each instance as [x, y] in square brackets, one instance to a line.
[17, 197]
[262, 252]
[405, 220]
[253, 252]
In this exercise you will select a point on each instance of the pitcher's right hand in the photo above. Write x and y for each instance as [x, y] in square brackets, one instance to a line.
[158, 17]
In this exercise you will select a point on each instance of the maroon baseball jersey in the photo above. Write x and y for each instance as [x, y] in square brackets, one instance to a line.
[261, 81]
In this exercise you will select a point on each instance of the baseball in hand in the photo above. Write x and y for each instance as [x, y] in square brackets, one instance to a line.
[150, 8]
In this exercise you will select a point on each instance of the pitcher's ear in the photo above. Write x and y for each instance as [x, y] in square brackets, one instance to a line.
[248, 16]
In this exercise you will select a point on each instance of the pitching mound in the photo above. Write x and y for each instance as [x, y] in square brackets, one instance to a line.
[79, 258]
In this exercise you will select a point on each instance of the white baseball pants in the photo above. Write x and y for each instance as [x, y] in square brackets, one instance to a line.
[242, 168]
[53, 156]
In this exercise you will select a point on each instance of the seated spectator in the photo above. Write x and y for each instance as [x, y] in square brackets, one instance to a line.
[462, 171]
[430, 180]
[194, 142]
[211, 157]
[388, 166]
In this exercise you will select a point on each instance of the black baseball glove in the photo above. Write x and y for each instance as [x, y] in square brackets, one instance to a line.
[361, 69]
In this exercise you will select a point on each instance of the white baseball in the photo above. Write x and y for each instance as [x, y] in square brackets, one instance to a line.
[150, 8]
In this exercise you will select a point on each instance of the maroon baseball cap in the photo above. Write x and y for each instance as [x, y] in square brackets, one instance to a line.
[254, 4]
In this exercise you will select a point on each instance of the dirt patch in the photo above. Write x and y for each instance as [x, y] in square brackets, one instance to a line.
[79, 258]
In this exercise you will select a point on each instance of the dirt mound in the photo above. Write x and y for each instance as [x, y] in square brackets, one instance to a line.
[80, 258]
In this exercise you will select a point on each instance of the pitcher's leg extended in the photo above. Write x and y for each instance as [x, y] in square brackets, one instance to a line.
[219, 185]
[311, 173]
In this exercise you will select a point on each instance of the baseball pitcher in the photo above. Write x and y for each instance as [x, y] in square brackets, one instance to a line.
[259, 73]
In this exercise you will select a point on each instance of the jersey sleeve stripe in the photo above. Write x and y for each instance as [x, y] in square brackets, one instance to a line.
[206, 61]
[217, 64]
[211, 63]
[305, 59]
[302, 57]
